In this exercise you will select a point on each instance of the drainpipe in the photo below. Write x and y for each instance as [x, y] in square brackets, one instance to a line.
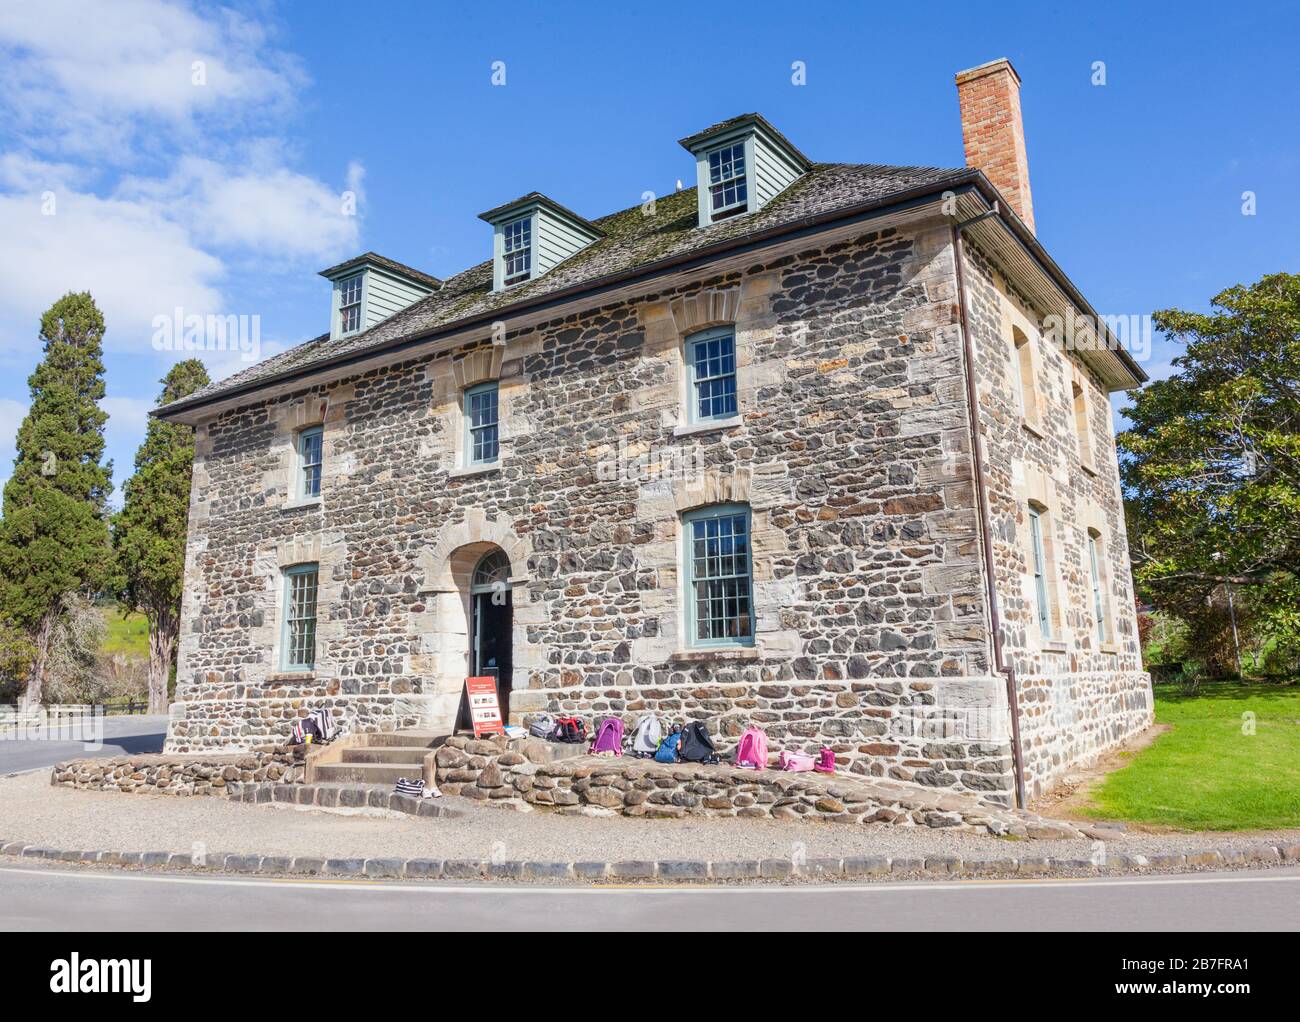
[982, 504]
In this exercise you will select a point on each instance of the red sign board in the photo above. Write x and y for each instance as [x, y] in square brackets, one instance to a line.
[484, 707]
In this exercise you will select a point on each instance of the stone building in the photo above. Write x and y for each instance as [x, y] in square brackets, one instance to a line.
[711, 457]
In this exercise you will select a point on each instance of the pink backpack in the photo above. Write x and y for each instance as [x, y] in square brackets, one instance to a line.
[609, 736]
[752, 750]
[796, 761]
[825, 761]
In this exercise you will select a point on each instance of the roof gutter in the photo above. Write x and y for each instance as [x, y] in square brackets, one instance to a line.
[971, 180]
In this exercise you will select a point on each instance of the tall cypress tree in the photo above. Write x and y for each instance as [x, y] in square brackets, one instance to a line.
[54, 537]
[149, 531]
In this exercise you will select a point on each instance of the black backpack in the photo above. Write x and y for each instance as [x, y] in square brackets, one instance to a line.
[697, 746]
[571, 730]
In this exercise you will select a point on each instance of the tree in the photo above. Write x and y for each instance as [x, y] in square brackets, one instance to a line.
[54, 537]
[1211, 464]
[149, 531]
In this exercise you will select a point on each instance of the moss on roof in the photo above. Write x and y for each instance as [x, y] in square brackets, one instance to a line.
[632, 238]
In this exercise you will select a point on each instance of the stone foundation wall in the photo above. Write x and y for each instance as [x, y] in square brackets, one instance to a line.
[182, 775]
[523, 773]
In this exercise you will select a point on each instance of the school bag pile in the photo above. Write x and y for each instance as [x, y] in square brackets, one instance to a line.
[689, 743]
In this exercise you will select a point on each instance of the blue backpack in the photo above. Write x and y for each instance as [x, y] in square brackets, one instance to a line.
[667, 751]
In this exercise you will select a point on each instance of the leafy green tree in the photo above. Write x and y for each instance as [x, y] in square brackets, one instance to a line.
[149, 531]
[1211, 464]
[54, 537]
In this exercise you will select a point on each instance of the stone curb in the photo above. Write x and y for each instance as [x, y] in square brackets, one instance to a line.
[668, 870]
[337, 796]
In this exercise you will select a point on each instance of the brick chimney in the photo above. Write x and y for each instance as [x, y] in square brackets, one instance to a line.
[993, 132]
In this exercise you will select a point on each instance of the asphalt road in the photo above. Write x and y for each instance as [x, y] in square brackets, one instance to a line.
[128, 733]
[39, 898]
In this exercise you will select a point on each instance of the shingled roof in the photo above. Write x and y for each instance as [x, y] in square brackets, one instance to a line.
[631, 240]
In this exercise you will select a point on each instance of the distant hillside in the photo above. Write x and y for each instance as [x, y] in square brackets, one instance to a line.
[127, 634]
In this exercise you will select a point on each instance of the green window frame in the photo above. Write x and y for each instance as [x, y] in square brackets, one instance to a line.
[310, 448]
[719, 573]
[517, 251]
[298, 637]
[482, 424]
[1098, 596]
[1040, 573]
[350, 292]
[711, 368]
[728, 181]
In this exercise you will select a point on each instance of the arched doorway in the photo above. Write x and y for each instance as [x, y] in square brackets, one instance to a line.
[490, 623]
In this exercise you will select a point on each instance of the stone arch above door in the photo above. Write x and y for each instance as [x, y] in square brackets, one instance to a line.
[475, 535]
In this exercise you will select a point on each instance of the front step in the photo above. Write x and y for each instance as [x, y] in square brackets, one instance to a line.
[367, 773]
[424, 739]
[386, 754]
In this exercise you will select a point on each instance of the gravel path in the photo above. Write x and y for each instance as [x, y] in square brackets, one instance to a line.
[33, 811]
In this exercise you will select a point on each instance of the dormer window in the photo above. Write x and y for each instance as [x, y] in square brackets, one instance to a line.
[350, 304]
[728, 190]
[558, 234]
[740, 166]
[369, 288]
[517, 250]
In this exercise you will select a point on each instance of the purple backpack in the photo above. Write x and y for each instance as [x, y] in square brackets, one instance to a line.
[609, 736]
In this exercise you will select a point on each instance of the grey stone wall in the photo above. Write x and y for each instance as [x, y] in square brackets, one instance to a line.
[1079, 695]
[851, 447]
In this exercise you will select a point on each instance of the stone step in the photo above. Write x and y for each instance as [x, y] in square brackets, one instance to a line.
[366, 773]
[386, 754]
[406, 739]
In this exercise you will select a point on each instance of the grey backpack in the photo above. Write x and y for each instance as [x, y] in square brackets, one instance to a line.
[645, 740]
[542, 727]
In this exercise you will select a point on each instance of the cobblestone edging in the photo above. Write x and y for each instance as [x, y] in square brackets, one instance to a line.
[669, 870]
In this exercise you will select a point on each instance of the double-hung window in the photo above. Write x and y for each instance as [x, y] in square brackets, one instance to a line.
[482, 442]
[1098, 596]
[350, 304]
[719, 574]
[728, 186]
[310, 447]
[1040, 573]
[711, 361]
[299, 643]
[517, 250]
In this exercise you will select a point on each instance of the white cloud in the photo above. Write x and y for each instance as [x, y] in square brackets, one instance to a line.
[84, 75]
[134, 261]
[167, 234]
[271, 209]
[168, 189]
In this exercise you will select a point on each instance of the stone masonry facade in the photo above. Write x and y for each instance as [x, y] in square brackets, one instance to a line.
[852, 449]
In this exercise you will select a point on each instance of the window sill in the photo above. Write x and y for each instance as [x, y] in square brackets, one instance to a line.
[1054, 646]
[1032, 428]
[280, 677]
[706, 654]
[1109, 648]
[1089, 468]
[712, 426]
[468, 471]
[298, 505]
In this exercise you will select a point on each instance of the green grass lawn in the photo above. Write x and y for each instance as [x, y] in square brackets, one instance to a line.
[127, 634]
[1207, 773]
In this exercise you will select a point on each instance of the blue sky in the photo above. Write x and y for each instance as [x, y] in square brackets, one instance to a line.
[221, 192]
